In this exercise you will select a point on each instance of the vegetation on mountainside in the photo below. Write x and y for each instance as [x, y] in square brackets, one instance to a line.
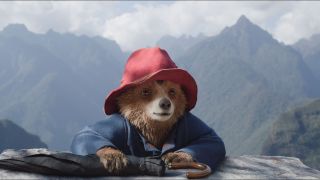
[297, 133]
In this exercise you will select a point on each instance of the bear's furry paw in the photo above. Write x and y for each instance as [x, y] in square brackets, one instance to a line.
[177, 157]
[112, 159]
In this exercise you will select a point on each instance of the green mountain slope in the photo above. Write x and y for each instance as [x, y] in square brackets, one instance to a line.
[297, 133]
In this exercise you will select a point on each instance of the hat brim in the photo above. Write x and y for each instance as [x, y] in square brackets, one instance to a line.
[176, 75]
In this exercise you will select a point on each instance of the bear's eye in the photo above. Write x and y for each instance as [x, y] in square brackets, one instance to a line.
[172, 92]
[146, 92]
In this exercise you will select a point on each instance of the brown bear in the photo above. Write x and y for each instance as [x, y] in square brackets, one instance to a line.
[152, 108]
[150, 117]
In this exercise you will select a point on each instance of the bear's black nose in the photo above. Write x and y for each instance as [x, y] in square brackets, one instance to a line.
[165, 103]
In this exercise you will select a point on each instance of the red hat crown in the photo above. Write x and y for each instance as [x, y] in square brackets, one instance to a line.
[142, 63]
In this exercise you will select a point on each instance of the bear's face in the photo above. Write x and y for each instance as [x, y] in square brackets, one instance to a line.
[160, 99]
[153, 108]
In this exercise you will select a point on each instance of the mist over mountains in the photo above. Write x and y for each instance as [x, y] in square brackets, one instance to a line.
[54, 84]
[178, 46]
[310, 50]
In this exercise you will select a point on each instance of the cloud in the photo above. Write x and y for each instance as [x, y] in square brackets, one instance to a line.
[136, 24]
[77, 17]
[286, 21]
[301, 21]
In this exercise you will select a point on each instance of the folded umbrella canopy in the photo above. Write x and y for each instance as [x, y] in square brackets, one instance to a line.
[43, 161]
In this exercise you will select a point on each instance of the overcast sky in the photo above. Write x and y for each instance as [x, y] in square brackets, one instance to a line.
[138, 24]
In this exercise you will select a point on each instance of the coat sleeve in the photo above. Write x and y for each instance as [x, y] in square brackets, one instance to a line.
[203, 143]
[107, 133]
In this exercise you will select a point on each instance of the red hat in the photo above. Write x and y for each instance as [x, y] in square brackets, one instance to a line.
[149, 64]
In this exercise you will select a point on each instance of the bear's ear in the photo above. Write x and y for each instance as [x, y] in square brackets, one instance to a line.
[117, 107]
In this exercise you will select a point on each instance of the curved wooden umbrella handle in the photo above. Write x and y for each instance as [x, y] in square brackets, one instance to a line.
[205, 170]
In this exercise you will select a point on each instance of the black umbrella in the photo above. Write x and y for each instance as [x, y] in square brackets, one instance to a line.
[68, 164]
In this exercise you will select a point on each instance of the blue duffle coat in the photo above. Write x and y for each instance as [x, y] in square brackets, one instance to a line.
[189, 135]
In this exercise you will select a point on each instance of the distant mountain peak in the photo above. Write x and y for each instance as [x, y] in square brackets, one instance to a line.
[16, 28]
[246, 31]
[243, 20]
[51, 31]
[243, 23]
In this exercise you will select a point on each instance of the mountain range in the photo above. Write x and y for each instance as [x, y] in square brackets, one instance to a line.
[53, 84]
[246, 78]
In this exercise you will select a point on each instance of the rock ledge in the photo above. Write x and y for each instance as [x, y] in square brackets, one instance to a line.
[238, 167]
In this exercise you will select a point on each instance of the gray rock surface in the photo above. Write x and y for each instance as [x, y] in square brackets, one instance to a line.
[238, 167]
[264, 167]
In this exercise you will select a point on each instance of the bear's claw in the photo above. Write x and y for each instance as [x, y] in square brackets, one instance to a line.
[177, 157]
[112, 159]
